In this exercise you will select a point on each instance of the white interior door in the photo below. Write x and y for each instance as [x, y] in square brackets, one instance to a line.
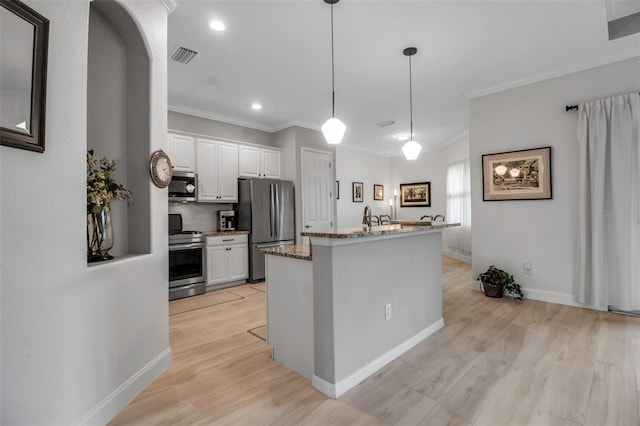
[317, 184]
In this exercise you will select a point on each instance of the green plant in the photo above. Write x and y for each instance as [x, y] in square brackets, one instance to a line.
[497, 276]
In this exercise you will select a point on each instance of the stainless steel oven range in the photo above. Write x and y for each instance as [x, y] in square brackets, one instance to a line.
[187, 265]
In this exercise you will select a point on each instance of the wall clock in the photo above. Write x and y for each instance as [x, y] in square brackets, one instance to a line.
[161, 169]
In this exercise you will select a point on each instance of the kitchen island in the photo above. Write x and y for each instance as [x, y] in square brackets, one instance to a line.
[361, 298]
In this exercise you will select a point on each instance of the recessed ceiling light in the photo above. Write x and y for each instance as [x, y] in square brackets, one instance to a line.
[217, 26]
[256, 106]
[402, 136]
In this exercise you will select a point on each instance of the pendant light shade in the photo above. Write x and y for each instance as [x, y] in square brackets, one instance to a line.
[411, 149]
[333, 129]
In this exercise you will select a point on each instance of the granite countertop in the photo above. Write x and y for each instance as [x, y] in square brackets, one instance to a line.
[432, 223]
[370, 231]
[302, 252]
[224, 233]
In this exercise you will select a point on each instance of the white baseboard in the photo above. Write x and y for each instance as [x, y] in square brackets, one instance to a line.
[548, 296]
[118, 399]
[559, 298]
[342, 386]
[463, 258]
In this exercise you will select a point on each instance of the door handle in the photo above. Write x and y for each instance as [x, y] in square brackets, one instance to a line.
[277, 211]
[271, 212]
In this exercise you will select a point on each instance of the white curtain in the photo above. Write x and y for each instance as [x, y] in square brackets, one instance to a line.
[457, 241]
[608, 217]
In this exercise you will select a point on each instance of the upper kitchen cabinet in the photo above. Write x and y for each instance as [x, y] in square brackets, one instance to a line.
[217, 168]
[182, 150]
[260, 162]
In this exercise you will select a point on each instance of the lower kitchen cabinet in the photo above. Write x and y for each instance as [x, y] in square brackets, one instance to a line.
[227, 259]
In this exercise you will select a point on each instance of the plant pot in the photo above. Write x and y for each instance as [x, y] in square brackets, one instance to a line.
[99, 235]
[492, 290]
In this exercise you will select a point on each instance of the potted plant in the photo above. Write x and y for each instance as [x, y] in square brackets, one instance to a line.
[101, 190]
[495, 281]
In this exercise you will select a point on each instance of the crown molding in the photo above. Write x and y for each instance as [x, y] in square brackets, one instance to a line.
[219, 117]
[558, 72]
[297, 123]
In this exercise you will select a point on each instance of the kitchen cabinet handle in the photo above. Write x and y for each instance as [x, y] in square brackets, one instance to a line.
[229, 239]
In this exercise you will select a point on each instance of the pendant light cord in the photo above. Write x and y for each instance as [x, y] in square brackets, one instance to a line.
[333, 79]
[410, 102]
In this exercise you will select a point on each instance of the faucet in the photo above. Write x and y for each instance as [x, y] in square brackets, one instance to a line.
[366, 217]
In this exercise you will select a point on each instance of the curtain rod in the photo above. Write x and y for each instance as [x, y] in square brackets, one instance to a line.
[570, 107]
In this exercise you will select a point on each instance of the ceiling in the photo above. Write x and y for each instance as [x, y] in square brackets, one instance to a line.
[278, 53]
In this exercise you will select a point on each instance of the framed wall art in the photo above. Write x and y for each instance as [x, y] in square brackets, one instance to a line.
[415, 194]
[517, 175]
[23, 76]
[357, 188]
[378, 192]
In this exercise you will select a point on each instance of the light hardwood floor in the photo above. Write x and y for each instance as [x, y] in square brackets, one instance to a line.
[496, 362]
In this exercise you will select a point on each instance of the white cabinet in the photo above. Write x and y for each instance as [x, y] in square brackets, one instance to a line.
[217, 265]
[227, 259]
[271, 164]
[217, 168]
[259, 162]
[182, 151]
[237, 257]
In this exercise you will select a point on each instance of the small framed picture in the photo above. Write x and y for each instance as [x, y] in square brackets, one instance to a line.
[517, 175]
[415, 194]
[357, 192]
[378, 192]
[337, 190]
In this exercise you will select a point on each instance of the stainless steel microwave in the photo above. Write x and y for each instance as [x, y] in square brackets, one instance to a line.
[183, 187]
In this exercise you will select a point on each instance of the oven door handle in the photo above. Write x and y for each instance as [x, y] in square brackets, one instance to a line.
[186, 246]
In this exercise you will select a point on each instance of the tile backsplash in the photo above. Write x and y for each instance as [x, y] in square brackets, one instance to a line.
[199, 216]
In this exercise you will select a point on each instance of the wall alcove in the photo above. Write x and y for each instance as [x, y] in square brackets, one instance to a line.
[118, 117]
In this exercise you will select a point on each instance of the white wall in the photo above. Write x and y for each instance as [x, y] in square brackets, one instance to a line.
[359, 166]
[75, 338]
[217, 129]
[291, 141]
[431, 167]
[370, 169]
[286, 139]
[508, 233]
[107, 112]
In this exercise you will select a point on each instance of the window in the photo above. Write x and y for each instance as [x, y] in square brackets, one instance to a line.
[457, 240]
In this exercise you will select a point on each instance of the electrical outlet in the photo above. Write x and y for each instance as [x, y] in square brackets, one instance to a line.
[387, 312]
[527, 266]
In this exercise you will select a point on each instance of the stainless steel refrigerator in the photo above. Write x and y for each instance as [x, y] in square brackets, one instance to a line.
[266, 209]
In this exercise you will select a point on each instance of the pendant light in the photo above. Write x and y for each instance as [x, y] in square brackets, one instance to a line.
[333, 129]
[412, 148]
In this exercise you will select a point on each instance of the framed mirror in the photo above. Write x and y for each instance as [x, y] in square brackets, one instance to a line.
[24, 35]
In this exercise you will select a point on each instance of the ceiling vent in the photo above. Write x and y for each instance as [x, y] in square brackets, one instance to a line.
[183, 55]
[386, 123]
